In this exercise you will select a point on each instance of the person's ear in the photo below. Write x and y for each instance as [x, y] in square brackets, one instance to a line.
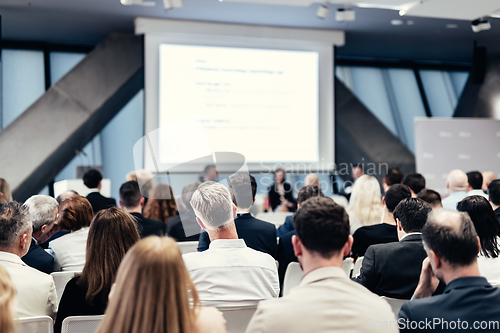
[42, 229]
[298, 206]
[383, 200]
[478, 244]
[120, 203]
[348, 246]
[434, 259]
[200, 223]
[297, 246]
[23, 243]
[141, 203]
[235, 211]
[400, 226]
[447, 185]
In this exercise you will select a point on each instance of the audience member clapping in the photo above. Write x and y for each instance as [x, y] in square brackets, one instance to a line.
[365, 204]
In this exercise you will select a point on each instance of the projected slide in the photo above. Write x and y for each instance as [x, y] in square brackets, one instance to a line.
[256, 102]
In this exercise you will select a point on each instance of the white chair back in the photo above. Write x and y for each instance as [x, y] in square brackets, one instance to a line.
[357, 267]
[395, 304]
[61, 279]
[293, 275]
[81, 324]
[188, 247]
[238, 318]
[347, 266]
[42, 324]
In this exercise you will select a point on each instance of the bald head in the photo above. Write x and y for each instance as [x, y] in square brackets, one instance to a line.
[456, 181]
[312, 179]
[488, 177]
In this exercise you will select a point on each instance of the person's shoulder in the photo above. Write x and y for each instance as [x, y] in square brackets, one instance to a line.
[262, 223]
[210, 320]
[37, 276]
[261, 259]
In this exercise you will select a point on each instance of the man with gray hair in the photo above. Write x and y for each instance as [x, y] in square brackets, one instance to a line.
[36, 292]
[43, 211]
[456, 184]
[229, 273]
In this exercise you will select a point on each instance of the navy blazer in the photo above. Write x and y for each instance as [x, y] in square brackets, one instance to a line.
[285, 227]
[38, 258]
[470, 299]
[148, 227]
[257, 234]
[100, 202]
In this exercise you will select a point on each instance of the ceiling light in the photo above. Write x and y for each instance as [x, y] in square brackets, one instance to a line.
[138, 3]
[410, 22]
[169, 4]
[397, 22]
[480, 24]
[323, 11]
[343, 15]
[452, 26]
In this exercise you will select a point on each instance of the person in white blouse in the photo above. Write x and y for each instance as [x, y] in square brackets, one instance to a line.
[69, 251]
[488, 230]
[229, 273]
[36, 291]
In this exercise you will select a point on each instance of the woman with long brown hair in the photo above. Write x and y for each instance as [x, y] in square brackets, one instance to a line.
[112, 233]
[158, 206]
[7, 297]
[155, 294]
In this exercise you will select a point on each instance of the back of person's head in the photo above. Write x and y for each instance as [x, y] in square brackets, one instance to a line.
[488, 177]
[395, 194]
[92, 178]
[144, 179]
[415, 181]
[485, 222]
[365, 204]
[210, 173]
[130, 194]
[112, 233]
[66, 195]
[213, 206]
[243, 188]
[394, 176]
[161, 204]
[75, 213]
[475, 180]
[432, 197]
[14, 223]
[452, 237]
[413, 214]
[457, 181]
[7, 300]
[312, 179]
[154, 292]
[322, 226]
[5, 195]
[42, 209]
[494, 192]
[309, 191]
[187, 194]
[131, 176]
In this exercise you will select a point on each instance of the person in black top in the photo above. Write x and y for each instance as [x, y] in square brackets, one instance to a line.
[87, 293]
[385, 232]
[394, 176]
[494, 196]
[185, 223]
[92, 179]
[416, 183]
[280, 193]
[257, 234]
[132, 201]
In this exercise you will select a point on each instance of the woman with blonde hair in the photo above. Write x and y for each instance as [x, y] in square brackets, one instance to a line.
[161, 204]
[7, 297]
[154, 293]
[5, 195]
[365, 204]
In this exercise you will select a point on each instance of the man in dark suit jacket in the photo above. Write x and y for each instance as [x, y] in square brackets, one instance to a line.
[385, 232]
[43, 213]
[494, 196]
[184, 227]
[286, 227]
[393, 269]
[92, 179]
[469, 301]
[132, 201]
[258, 235]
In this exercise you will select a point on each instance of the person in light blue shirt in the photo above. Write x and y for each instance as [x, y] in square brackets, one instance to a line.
[456, 184]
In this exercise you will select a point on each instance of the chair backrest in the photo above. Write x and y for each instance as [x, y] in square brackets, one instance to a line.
[238, 318]
[42, 324]
[188, 247]
[293, 275]
[81, 324]
[357, 267]
[60, 280]
[395, 304]
[347, 266]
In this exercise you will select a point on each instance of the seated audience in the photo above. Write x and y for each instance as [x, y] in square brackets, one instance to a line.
[494, 196]
[326, 300]
[456, 184]
[365, 204]
[153, 293]
[385, 232]
[60, 198]
[432, 197]
[280, 193]
[183, 227]
[229, 273]
[394, 176]
[7, 301]
[43, 212]
[488, 177]
[257, 234]
[416, 183]
[452, 246]
[93, 180]
[66, 195]
[132, 201]
[475, 184]
[5, 195]
[312, 179]
[143, 178]
[69, 250]
[285, 247]
[210, 173]
[487, 228]
[161, 204]
[87, 293]
[393, 269]
[36, 292]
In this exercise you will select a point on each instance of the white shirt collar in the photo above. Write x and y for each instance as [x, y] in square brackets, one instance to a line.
[227, 243]
[411, 233]
[94, 190]
[33, 238]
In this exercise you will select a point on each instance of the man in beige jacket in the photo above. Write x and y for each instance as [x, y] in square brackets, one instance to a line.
[326, 300]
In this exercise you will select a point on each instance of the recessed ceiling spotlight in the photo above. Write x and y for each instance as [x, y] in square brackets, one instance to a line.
[138, 3]
[410, 22]
[397, 22]
[480, 24]
[344, 14]
[169, 4]
[452, 26]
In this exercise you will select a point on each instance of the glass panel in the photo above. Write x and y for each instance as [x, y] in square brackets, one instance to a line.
[62, 62]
